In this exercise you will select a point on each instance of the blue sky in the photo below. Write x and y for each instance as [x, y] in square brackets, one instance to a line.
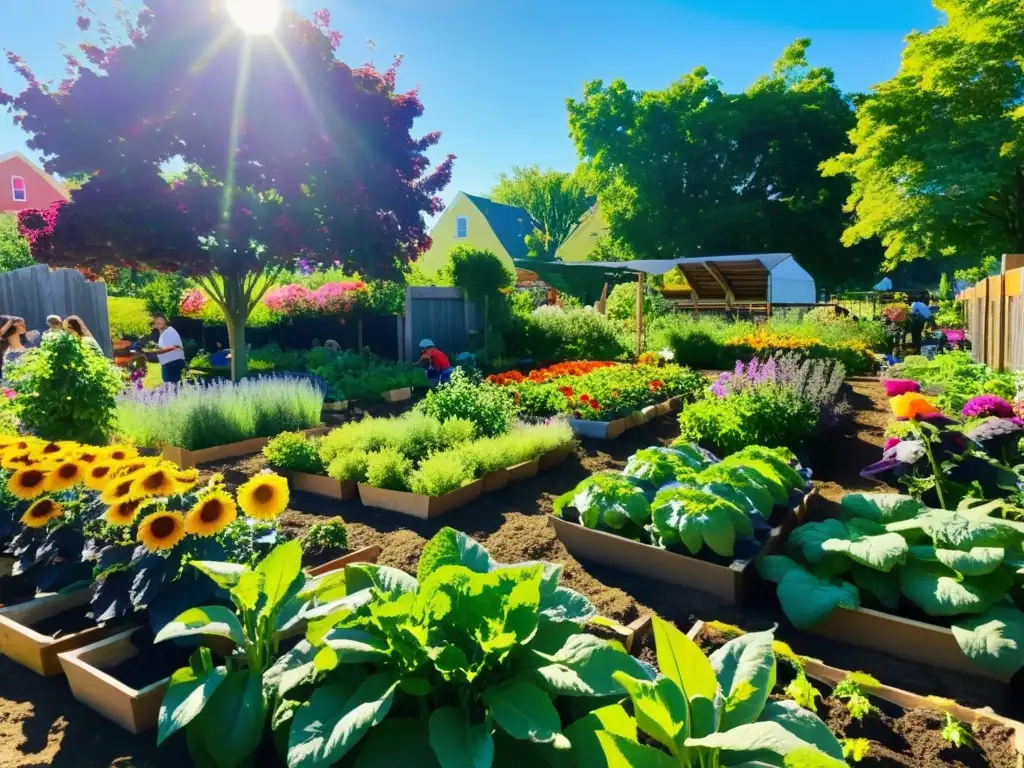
[494, 75]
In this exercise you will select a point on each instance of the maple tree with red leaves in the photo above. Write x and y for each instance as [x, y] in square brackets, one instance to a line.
[287, 152]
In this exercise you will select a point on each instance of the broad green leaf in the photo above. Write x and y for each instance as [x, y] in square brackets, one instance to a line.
[564, 604]
[807, 599]
[683, 662]
[960, 532]
[458, 743]
[804, 725]
[704, 715]
[224, 575]
[582, 734]
[208, 620]
[659, 708]
[938, 591]
[361, 576]
[773, 567]
[977, 561]
[247, 591]
[882, 507]
[752, 737]
[745, 668]
[741, 480]
[234, 720]
[805, 757]
[880, 551]
[585, 666]
[884, 586]
[336, 718]
[397, 742]
[187, 694]
[319, 586]
[290, 670]
[524, 712]
[994, 640]
[280, 569]
[765, 474]
[451, 547]
[620, 752]
[696, 518]
[354, 646]
[607, 501]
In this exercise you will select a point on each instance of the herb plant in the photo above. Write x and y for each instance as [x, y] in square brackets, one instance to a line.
[327, 535]
[853, 690]
[956, 733]
[856, 749]
[295, 452]
[491, 408]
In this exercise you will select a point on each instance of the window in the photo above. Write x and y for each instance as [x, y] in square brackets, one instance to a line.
[461, 227]
[18, 189]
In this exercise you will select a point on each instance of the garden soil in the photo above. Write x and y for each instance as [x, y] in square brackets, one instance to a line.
[42, 725]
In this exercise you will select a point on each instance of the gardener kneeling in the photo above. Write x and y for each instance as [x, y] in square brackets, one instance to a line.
[439, 370]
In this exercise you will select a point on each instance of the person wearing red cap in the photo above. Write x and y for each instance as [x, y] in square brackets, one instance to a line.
[439, 369]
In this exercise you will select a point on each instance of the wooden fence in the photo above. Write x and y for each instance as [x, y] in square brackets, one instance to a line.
[35, 292]
[442, 315]
[994, 309]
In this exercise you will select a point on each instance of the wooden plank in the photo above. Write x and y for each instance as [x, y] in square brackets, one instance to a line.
[722, 282]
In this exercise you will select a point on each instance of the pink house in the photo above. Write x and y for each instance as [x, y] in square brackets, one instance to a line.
[23, 184]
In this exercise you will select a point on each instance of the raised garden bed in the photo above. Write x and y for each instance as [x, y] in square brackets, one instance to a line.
[35, 632]
[915, 735]
[109, 675]
[337, 406]
[729, 582]
[417, 505]
[320, 485]
[397, 395]
[609, 430]
[185, 458]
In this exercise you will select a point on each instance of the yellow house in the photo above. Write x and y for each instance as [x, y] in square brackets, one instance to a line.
[482, 223]
[591, 227]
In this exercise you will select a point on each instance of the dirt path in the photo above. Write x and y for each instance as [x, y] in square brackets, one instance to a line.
[40, 723]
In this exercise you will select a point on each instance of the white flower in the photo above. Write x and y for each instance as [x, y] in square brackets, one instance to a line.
[667, 354]
[908, 451]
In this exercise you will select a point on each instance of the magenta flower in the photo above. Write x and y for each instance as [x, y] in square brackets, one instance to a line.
[987, 405]
[954, 335]
[193, 301]
[896, 387]
[890, 442]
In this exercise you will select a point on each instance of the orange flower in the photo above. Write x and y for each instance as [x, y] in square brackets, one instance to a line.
[912, 405]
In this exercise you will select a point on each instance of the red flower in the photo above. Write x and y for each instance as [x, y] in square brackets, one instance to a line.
[567, 391]
[584, 398]
[595, 405]
[655, 385]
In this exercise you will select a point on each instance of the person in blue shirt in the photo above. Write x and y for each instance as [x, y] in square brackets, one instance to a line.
[920, 316]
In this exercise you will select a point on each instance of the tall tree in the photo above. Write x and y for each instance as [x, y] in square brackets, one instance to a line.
[938, 156]
[694, 170]
[555, 199]
[287, 153]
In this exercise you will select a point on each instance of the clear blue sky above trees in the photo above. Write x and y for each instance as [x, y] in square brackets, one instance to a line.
[494, 76]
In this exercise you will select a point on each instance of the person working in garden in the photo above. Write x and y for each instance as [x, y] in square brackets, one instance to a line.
[169, 352]
[920, 316]
[439, 370]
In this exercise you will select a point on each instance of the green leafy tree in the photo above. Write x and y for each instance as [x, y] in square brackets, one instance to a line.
[483, 277]
[694, 170]
[938, 155]
[14, 250]
[556, 199]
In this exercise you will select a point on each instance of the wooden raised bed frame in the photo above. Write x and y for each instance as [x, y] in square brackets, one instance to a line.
[416, 505]
[905, 700]
[185, 458]
[729, 582]
[609, 430]
[38, 652]
[137, 710]
[319, 485]
[397, 395]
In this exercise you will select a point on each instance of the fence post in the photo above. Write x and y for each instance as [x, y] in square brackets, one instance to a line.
[999, 337]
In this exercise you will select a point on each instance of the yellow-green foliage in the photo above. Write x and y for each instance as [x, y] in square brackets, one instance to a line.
[128, 317]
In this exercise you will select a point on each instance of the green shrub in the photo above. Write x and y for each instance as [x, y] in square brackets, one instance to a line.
[8, 416]
[441, 473]
[162, 294]
[330, 534]
[388, 469]
[523, 443]
[491, 408]
[295, 452]
[621, 304]
[551, 334]
[66, 390]
[456, 431]
[351, 436]
[349, 466]
[14, 250]
[128, 318]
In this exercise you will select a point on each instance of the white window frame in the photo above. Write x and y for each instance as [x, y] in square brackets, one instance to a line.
[459, 220]
[24, 189]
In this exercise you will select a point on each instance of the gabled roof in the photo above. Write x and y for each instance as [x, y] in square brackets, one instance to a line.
[42, 174]
[511, 224]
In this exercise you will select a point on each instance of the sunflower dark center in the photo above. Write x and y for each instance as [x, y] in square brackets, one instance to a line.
[118, 456]
[211, 511]
[32, 478]
[43, 508]
[154, 481]
[123, 488]
[263, 494]
[101, 472]
[128, 508]
[51, 448]
[67, 471]
[89, 457]
[162, 527]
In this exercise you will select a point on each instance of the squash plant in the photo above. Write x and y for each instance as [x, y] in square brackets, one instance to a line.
[705, 712]
[468, 653]
[892, 550]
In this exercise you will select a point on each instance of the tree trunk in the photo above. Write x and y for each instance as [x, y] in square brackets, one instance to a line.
[236, 313]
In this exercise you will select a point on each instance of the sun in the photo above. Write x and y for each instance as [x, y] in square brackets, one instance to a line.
[257, 17]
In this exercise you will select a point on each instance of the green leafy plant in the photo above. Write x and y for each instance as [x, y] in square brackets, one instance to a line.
[490, 407]
[856, 749]
[607, 501]
[663, 465]
[294, 451]
[66, 390]
[470, 655]
[956, 733]
[853, 690]
[441, 473]
[329, 535]
[388, 469]
[695, 518]
[351, 465]
[709, 712]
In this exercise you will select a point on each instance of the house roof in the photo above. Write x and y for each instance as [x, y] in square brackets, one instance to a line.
[59, 188]
[510, 223]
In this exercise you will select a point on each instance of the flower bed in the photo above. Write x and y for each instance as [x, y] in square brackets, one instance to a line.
[954, 378]
[680, 516]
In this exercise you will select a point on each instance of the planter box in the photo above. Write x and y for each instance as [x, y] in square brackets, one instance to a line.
[320, 485]
[22, 644]
[137, 710]
[423, 507]
[555, 457]
[727, 582]
[630, 635]
[397, 395]
[523, 471]
[494, 481]
[185, 458]
[675, 404]
[336, 407]
[601, 430]
[648, 413]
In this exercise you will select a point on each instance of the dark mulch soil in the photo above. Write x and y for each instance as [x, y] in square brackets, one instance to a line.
[152, 663]
[66, 623]
[40, 724]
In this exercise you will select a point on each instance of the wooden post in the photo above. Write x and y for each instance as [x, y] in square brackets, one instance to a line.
[602, 303]
[639, 313]
[999, 335]
[696, 302]
[987, 326]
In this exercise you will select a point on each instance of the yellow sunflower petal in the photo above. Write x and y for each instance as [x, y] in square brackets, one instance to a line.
[154, 481]
[123, 512]
[117, 490]
[264, 496]
[211, 514]
[161, 530]
[27, 483]
[121, 452]
[42, 512]
[99, 475]
[65, 475]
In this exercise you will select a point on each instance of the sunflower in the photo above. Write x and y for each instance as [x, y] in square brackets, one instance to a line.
[121, 452]
[65, 475]
[17, 460]
[98, 475]
[155, 481]
[119, 489]
[123, 512]
[42, 512]
[49, 451]
[186, 479]
[264, 497]
[161, 530]
[90, 455]
[211, 514]
[27, 483]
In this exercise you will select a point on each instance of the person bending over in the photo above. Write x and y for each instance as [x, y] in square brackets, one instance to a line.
[439, 370]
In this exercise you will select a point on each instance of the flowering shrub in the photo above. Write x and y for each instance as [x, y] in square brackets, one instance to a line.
[894, 387]
[987, 405]
[574, 368]
[328, 299]
[855, 355]
[193, 301]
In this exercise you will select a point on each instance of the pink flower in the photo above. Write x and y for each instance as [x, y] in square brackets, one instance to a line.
[193, 301]
[890, 442]
[328, 299]
[953, 335]
[988, 405]
[896, 387]
[9, 394]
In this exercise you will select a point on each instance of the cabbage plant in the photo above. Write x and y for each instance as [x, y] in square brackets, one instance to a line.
[608, 501]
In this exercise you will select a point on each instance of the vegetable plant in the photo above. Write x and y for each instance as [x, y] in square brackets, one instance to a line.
[704, 712]
[607, 501]
[853, 690]
[956, 733]
[295, 452]
[856, 749]
[659, 466]
[329, 535]
[490, 407]
[695, 518]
